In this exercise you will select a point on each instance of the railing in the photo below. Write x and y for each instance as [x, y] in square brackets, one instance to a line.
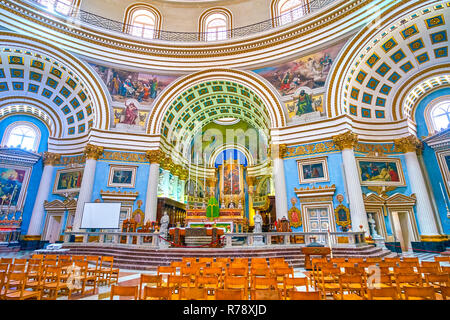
[153, 240]
[75, 15]
[8, 237]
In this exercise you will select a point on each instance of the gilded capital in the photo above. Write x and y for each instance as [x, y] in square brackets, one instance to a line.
[277, 150]
[50, 159]
[184, 174]
[408, 144]
[167, 164]
[154, 156]
[92, 151]
[346, 140]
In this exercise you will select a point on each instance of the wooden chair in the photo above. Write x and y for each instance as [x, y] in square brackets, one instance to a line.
[275, 260]
[147, 280]
[241, 271]
[294, 283]
[258, 283]
[93, 261]
[188, 260]
[388, 293]
[302, 295]
[6, 260]
[51, 283]
[19, 293]
[81, 269]
[259, 271]
[258, 261]
[408, 264]
[351, 287]
[210, 283]
[20, 261]
[34, 276]
[396, 260]
[176, 282]
[241, 283]
[193, 294]
[445, 292]
[2, 282]
[404, 270]
[223, 260]
[281, 273]
[238, 265]
[374, 259]
[160, 293]
[338, 260]
[265, 294]
[329, 281]
[207, 260]
[408, 281]
[442, 258]
[4, 267]
[427, 266]
[51, 257]
[229, 294]
[411, 259]
[437, 280]
[107, 273]
[382, 280]
[79, 258]
[219, 264]
[191, 272]
[355, 260]
[178, 264]
[241, 260]
[38, 256]
[124, 291]
[213, 272]
[420, 293]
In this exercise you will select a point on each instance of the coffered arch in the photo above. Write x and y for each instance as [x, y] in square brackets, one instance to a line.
[385, 56]
[63, 88]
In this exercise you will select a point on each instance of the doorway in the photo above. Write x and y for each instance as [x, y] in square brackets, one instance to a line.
[54, 228]
[403, 230]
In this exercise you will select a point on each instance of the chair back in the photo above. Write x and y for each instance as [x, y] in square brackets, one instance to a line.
[440, 279]
[229, 294]
[193, 293]
[415, 279]
[124, 291]
[207, 282]
[239, 271]
[291, 283]
[4, 267]
[384, 293]
[263, 283]
[411, 259]
[425, 293]
[178, 281]
[166, 270]
[265, 294]
[20, 261]
[301, 295]
[106, 262]
[17, 268]
[37, 256]
[6, 260]
[16, 280]
[51, 257]
[259, 271]
[212, 271]
[442, 258]
[207, 260]
[157, 293]
[445, 292]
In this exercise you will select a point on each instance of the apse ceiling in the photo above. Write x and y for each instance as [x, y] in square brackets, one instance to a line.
[210, 101]
[51, 85]
[414, 43]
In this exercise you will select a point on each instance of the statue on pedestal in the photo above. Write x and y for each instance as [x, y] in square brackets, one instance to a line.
[257, 240]
[372, 226]
[163, 230]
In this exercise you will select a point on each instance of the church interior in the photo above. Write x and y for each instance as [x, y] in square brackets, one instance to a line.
[224, 150]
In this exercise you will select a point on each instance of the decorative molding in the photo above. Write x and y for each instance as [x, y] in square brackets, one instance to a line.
[119, 196]
[18, 156]
[154, 156]
[315, 194]
[277, 151]
[408, 144]
[93, 152]
[50, 159]
[346, 140]
[381, 190]
[58, 205]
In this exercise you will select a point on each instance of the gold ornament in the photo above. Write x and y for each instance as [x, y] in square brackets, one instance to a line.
[50, 159]
[408, 144]
[92, 151]
[154, 156]
[346, 140]
[277, 150]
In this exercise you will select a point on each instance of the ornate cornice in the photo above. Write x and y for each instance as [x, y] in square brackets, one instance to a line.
[346, 140]
[408, 144]
[18, 156]
[154, 156]
[50, 159]
[92, 151]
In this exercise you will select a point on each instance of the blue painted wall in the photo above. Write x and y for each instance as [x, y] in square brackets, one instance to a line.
[430, 159]
[36, 172]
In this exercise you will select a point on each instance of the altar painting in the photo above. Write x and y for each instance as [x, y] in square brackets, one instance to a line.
[380, 172]
[232, 183]
[13, 186]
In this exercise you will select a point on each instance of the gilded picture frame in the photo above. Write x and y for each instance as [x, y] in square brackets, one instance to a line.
[380, 171]
[313, 170]
[14, 182]
[68, 180]
[122, 176]
[342, 215]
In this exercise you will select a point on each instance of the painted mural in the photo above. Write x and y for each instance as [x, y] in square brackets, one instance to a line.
[124, 85]
[376, 172]
[310, 71]
[11, 183]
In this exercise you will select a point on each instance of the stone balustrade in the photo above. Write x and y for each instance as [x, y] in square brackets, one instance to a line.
[152, 240]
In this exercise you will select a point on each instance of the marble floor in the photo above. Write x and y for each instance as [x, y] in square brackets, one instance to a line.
[131, 277]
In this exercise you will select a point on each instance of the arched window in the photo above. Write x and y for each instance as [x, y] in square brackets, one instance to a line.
[287, 11]
[215, 24]
[440, 115]
[143, 21]
[23, 135]
[64, 7]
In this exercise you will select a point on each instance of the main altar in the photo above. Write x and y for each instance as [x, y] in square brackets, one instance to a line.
[232, 220]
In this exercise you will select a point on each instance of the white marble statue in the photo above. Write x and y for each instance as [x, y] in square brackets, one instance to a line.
[258, 223]
[372, 225]
[164, 222]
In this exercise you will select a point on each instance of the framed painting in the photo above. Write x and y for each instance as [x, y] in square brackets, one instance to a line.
[68, 180]
[122, 176]
[313, 170]
[444, 164]
[13, 186]
[380, 171]
[342, 214]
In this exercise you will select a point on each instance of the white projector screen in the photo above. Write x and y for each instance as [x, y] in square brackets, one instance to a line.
[101, 215]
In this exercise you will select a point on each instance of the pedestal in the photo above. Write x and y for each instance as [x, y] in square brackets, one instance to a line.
[258, 241]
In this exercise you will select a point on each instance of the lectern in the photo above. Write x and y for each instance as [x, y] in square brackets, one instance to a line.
[314, 251]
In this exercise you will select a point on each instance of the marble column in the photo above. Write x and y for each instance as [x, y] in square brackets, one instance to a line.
[151, 200]
[277, 153]
[345, 142]
[92, 154]
[34, 229]
[427, 221]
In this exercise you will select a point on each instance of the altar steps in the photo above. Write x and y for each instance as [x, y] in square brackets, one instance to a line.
[9, 248]
[135, 258]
